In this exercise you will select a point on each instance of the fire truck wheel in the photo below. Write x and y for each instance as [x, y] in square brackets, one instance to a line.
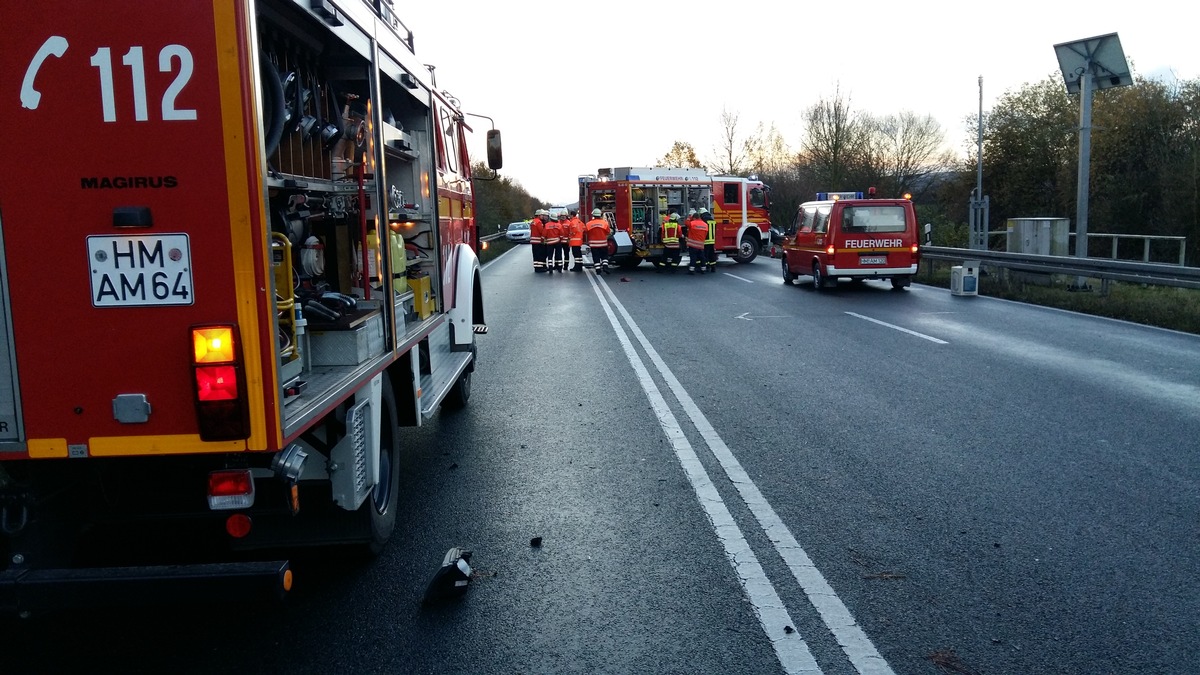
[630, 262]
[458, 396]
[788, 277]
[380, 509]
[820, 283]
[900, 283]
[747, 250]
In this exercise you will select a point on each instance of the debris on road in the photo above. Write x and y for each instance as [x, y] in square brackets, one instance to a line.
[948, 662]
[536, 542]
[789, 630]
[451, 579]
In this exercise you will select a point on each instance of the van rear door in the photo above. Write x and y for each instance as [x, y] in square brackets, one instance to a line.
[875, 234]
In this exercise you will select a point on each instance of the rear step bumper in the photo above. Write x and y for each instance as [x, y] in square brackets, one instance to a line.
[57, 589]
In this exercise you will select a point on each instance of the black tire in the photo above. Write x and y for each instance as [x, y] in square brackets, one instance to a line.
[379, 509]
[900, 283]
[818, 278]
[747, 250]
[459, 394]
[629, 262]
[788, 277]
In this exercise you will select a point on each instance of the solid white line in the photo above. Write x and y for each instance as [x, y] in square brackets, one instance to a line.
[902, 330]
[737, 277]
[850, 637]
[791, 649]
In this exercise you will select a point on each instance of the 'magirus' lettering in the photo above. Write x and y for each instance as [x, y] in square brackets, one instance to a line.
[124, 182]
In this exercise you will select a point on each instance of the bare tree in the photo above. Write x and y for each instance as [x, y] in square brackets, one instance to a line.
[681, 155]
[767, 152]
[834, 141]
[731, 154]
[902, 150]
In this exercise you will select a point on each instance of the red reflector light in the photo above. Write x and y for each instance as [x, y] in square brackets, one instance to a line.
[238, 525]
[226, 483]
[232, 489]
[216, 383]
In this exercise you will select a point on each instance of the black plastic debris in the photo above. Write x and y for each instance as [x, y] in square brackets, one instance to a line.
[536, 542]
[452, 577]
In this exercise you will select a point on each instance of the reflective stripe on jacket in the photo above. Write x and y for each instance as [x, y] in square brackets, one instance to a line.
[552, 232]
[670, 234]
[712, 232]
[597, 233]
[535, 231]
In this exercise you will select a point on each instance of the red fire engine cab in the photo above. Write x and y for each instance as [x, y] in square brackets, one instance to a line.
[238, 258]
[636, 200]
[843, 235]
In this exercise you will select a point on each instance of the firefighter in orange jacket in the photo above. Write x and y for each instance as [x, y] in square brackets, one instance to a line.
[552, 234]
[563, 253]
[575, 239]
[597, 239]
[537, 243]
[697, 233]
[672, 253]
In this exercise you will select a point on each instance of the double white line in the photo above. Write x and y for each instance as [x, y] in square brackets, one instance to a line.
[790, 648]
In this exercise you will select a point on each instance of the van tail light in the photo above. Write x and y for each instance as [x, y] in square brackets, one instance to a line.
[219, 383]
[915, 248]
[230, 489]
[830, 250]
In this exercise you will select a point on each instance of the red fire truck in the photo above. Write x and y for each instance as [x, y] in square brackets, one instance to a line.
[238, 257]
[636, 199]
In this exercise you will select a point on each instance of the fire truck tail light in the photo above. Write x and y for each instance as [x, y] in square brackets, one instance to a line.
[213, 345]
[230, 489]
[830, 250]
[915, 248]
[216, 383]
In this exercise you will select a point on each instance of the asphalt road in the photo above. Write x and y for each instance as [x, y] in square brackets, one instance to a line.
[733, 475]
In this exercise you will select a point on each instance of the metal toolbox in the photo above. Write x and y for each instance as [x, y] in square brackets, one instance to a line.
[360, 339]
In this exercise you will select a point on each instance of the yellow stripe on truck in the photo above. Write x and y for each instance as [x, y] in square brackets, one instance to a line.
[47, 448]
[240, 200]
[117, 446]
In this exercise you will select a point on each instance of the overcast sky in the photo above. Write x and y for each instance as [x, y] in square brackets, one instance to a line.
[575, 86]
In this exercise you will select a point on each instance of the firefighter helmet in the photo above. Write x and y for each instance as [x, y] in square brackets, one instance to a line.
[674, 216]
[596, 213]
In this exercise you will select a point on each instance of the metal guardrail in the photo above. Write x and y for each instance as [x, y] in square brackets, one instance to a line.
[493, 237]
[1155, 274]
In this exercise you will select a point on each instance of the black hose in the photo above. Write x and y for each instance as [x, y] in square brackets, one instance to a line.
[273, 103]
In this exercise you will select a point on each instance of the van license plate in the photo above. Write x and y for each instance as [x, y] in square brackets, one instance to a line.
[872, 259]
[138, 271]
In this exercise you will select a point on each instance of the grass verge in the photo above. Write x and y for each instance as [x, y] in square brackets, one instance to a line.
[1174, 308]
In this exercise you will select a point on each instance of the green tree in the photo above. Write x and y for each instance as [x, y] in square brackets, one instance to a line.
[501, 201]
[1030, 147]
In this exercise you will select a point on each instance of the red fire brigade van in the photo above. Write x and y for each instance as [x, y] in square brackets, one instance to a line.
[842, 235]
